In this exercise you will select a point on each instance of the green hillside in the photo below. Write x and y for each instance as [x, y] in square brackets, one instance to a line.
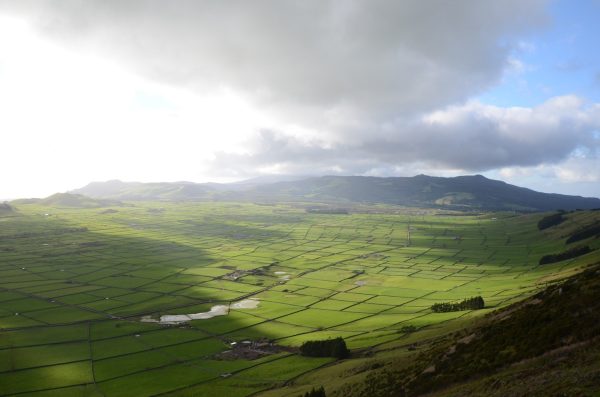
[544, 345]
[459, 193]
[213, 299]
[463, 192]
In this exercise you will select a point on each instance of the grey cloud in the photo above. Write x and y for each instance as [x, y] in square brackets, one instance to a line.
[471, 138]
[363, 73]
[378, 58]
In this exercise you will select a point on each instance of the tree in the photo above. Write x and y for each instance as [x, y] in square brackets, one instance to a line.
[325, 348]
[320, 392]
[473, 303]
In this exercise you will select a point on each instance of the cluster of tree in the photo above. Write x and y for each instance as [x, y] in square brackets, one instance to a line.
[473, 303]
[551, 220]
[325, 348]
[585, 232]
[568, 254]
[320, 392]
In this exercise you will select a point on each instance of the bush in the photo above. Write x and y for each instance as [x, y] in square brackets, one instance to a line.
[325, 348]
[550, 220]
[572, 253]
[585, 232]
[407, 329]
[320, 392]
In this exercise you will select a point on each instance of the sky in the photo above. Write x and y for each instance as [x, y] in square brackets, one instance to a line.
[94, 90]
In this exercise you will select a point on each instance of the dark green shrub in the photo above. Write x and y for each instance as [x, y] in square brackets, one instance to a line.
[325, 348]
[585, 232]
[473, 303]
[320, 392]
[407, 329]
[568, 254]
[550, 220]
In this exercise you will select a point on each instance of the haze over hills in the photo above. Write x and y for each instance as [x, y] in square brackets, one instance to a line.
[70, 200]
[463, 192]
[119, 190]
[6, 209]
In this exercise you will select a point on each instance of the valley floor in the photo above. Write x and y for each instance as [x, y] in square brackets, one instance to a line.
[75, 285]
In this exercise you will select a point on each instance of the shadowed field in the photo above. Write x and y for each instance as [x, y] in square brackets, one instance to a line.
[75, 283]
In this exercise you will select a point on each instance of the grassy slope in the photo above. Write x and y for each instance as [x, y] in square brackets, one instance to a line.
[574, 371]
[544, 345]
[566, 363]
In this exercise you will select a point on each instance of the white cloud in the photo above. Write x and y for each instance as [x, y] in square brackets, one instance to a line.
[516, 66]
[314, 64]
[68, 118]
[469, 137]
[574, 175]
[154, 90]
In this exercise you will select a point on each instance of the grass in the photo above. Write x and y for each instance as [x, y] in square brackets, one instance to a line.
[81, 279]
[528, 342]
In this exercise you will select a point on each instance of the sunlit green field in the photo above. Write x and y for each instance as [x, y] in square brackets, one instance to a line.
[74, 285]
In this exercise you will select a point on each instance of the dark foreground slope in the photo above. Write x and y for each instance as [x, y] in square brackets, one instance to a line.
[464, 192]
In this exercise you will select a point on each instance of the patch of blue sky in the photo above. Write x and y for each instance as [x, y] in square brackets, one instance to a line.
[562, 59]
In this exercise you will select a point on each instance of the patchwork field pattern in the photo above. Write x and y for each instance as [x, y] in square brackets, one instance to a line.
[74, 285]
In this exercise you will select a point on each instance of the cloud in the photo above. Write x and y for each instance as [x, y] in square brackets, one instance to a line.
[330, 86]
[310, 61]
[469, 137]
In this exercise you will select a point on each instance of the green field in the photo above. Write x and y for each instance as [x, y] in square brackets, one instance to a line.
[75, 283]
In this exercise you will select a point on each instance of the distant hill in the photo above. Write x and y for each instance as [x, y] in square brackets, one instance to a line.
[137, 191]
[463, 192]
[174, 191]
[75, 201]
[466, 192]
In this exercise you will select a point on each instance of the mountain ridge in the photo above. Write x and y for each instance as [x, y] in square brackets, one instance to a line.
[469, 192]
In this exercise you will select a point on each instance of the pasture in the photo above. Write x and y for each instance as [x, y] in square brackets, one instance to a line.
[75, 285]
